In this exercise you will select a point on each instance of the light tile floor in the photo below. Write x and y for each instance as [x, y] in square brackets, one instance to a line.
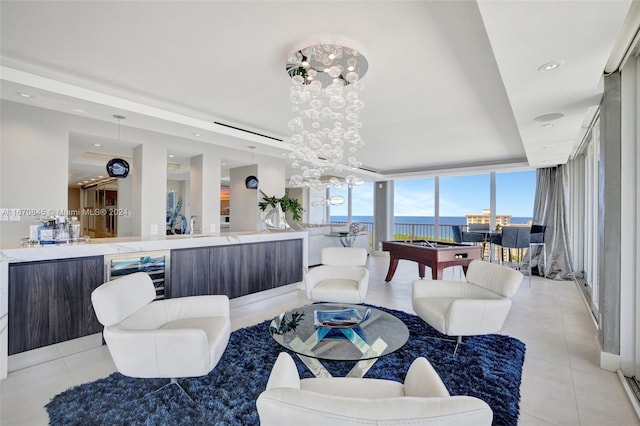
[561, 382]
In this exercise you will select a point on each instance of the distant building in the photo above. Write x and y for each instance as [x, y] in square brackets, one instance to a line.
[501, 219]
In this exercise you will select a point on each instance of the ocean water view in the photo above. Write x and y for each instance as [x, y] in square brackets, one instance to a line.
[427, 220]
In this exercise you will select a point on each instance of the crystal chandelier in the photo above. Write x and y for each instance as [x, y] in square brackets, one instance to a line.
[325, 93]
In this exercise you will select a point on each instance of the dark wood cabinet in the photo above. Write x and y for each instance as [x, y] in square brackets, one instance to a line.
[191, 268]
[235, 270]
[50, 301]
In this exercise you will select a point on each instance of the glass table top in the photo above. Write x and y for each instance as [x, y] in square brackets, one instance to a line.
[379, 335]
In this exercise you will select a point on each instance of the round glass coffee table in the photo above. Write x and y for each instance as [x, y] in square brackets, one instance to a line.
[301, 331]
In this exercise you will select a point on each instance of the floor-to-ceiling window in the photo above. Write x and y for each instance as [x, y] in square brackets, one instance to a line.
[414, 209]
[464, 199]
[357, 206]
[426, 208]
[339, 212]
[515, 193]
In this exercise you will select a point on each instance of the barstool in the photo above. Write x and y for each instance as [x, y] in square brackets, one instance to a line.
[536, 238]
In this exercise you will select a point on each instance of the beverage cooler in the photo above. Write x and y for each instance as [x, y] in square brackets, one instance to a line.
[154, 263]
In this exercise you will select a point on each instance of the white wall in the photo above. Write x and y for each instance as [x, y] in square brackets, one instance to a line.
[125, 203]
[34, 152]
[150, 188]
[33, 165]
[245, 215]
[317, 214]
[243, 203]
[205, 191]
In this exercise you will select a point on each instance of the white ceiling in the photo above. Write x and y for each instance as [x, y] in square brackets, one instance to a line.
[452, 86]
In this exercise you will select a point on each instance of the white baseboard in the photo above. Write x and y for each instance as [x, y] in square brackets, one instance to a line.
[52, 352]
[609, 361]
[265, 294]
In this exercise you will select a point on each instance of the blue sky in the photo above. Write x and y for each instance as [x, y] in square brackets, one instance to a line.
[459, 195]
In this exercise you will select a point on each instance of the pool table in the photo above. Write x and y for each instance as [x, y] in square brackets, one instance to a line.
[437, 255]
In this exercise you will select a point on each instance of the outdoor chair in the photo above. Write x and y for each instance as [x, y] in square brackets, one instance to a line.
[513, 237]
[536, 239]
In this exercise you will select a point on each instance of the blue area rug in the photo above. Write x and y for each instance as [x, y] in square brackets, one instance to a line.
[488, 367]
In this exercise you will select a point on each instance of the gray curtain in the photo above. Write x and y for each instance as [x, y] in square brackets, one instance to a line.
[549, 208]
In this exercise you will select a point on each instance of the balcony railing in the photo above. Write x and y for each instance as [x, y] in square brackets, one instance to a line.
[425, 231]
[411, 231]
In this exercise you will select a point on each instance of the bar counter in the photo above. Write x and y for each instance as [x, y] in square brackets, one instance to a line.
[186, 251]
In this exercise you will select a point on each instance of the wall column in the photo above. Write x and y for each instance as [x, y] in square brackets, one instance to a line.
[149, 182]
[205, 193]
[609, 216]
[382, 213]
[125, 204]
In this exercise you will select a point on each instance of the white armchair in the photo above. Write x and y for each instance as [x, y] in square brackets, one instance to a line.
[181, 337]
[478, 306]
[422, 399]
[342, 277]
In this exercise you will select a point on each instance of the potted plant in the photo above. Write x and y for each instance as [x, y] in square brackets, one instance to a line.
[290, 206]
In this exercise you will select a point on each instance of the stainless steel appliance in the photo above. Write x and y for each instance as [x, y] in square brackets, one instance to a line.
[155, 263]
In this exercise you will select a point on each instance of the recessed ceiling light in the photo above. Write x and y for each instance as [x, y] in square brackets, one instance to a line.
[547, 125]
[97, 144]
[550, 66]
[93, 178]
[80, 111]
[197, 135]
[25, 95]
[283, 155]
[224, 164]
[86, 181]
[170, 155]
[79, 183]
[100, 177]
[549, 117]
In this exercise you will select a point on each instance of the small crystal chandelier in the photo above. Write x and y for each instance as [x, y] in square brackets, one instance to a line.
[325, 93]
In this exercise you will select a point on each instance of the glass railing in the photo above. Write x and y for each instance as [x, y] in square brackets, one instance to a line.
[410, 231]
[426, 231]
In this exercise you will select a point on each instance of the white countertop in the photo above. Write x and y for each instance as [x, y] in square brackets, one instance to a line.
[13, 252]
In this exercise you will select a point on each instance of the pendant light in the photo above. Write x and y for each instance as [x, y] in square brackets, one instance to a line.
[251, 182]
[117, 167]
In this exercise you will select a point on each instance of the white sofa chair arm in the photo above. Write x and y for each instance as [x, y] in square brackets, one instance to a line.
[284, 373]
[363, 284]
[437, 288]
[158, 353]
[286, 406]
[422, 380]
[196, 307]
[476, 316]
[498, 279]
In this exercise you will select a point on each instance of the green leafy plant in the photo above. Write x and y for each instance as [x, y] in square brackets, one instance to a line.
[283, 325]
[286, 204]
